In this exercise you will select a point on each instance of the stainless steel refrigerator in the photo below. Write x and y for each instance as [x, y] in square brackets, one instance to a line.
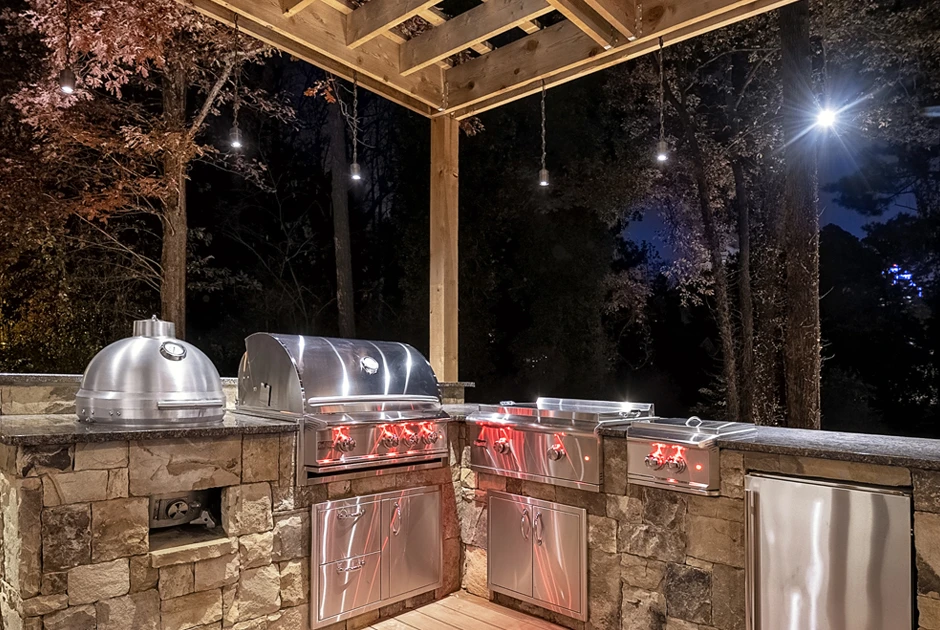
[827, 556]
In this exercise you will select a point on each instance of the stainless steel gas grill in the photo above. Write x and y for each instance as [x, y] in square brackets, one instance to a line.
[678, 453]
[553, 440]
[367, 407]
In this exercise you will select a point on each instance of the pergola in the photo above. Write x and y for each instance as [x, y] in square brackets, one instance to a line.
[367, 44]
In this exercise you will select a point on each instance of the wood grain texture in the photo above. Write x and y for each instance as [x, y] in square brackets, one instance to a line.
[445, 137]
[372, 18]
[580, 13]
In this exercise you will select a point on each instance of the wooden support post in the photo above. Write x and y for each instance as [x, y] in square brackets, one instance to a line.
[445, 134]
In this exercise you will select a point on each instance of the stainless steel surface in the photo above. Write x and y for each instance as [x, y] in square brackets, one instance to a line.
[151, 379]
[826, 556]
[364, 405]
[553, 440]
[678, 453]
[293, 375]
[414, 559]
[543, 564]
[374, 550]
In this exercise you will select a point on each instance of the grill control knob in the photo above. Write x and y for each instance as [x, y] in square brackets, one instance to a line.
[430, 437]
[344, 444]
[390, 440]
[676, 465]
[501, 446]
[654, 462]
[556, 452]
[410, 439]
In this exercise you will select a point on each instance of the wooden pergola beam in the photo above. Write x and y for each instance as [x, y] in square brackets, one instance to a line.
[320, 29]
[372, 18]
[293, 7]
[633, 50]
[292, 47]
[620, 13]
[588, 21]
[466, 30]
[563, 47]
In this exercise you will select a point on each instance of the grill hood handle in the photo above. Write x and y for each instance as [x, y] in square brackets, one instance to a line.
[190, 404]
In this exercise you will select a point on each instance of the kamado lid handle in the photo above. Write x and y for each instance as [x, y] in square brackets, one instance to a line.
[154, 327]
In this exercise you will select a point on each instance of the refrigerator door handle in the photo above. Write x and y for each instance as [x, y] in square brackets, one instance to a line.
[752, 550]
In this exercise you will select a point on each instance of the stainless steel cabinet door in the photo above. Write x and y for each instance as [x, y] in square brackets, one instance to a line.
[557, 558]
[827, 556]
[414, 541]
[509, 544]
[349, 584]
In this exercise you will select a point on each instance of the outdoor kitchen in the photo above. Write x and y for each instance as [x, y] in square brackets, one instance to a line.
[336, 491]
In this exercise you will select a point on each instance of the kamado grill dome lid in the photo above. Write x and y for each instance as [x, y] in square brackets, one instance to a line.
[151, 379]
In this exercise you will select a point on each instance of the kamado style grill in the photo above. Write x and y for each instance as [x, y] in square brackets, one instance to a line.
[367, 407]
[554, 440]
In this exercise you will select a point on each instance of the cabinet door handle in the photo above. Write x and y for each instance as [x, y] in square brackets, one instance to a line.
[538, 528]
[522, 525]
[344, 513]
[396, 518]
[352, 567]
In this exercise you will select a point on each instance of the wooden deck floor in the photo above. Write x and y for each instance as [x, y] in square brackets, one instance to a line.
[461, 611]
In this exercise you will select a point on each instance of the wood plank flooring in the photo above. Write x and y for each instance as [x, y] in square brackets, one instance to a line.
[461, 611]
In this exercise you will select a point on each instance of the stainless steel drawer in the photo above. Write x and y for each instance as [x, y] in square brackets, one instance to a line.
[349, 529]
[349, 584]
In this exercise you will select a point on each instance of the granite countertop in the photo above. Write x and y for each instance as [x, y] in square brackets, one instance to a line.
[460, 411]
[62, 428]
[887, 450]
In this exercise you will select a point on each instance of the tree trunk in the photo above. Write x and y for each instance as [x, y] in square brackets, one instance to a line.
[716, 257]
[173, 258]
[339, 168]
[746, 376]
[802, 333]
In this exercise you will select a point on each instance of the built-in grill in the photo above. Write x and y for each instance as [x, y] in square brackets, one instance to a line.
[367, 407]
[679, 453]
[554, 440]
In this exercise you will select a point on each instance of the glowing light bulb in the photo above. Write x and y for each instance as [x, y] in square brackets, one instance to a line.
[67, 81]
[826, 118]
[355, 172]
[543, 177]
[662, 152]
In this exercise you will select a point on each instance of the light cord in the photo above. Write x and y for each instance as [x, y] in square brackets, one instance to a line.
[355, 119]
[662, 95]
[68, 32]
[543, 125]
[235, 50]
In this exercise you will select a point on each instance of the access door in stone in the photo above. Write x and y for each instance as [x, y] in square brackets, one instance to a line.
[413, 541]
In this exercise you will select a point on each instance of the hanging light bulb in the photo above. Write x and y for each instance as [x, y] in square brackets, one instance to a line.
[67, 75]
[543, 172]
[236, 104]
[355, 172]
[662, 148]
[67, 80]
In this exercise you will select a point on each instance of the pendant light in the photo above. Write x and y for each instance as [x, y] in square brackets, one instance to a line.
[355, 172]
[543, 173]
[662, 149]
[67, 75]
[236, 138]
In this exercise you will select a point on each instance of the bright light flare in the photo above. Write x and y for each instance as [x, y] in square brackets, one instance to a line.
[826, 118]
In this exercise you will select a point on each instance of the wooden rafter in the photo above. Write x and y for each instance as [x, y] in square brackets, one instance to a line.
[563, 47]
[620, 13]
[598, 34]
[631, 51]
[588, 21]
[467, 29]
[293, 7]
[320, 28]
[372, 18]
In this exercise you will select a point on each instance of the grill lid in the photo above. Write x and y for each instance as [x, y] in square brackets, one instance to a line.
[151, 379]
[693, 431]
[293, 375]
[563, 413]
